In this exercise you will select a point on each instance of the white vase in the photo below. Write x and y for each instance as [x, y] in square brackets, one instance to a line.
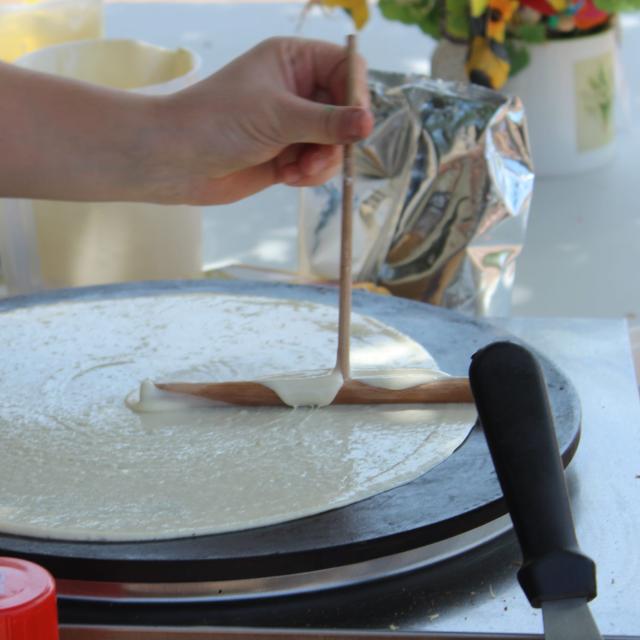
[64, 244]
[568, 91]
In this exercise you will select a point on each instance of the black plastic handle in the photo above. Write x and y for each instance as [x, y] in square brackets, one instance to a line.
[511, 397]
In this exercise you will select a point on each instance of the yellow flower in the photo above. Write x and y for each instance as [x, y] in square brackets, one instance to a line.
[358, 9]
[559, 5]
[484, 66]
[500, 13]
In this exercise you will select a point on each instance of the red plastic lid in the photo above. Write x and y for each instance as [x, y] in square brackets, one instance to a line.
[27, 602]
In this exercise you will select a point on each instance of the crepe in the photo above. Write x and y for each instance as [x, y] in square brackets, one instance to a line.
[77, 464]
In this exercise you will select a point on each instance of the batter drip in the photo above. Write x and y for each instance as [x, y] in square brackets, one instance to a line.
[299, 389]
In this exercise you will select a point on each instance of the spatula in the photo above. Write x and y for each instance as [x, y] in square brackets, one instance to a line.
[513, 407]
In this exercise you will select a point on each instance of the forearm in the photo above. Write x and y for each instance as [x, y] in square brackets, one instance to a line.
[67, 140]
[258, 121]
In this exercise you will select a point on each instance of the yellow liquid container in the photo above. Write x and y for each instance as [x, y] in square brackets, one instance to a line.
[47, 244]
[34, 24]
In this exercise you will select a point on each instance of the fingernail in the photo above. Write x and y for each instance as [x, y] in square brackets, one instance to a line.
[355, 124]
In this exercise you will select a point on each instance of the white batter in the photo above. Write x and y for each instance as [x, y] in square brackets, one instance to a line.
[295, 389]
[76, 463]
[306, 388]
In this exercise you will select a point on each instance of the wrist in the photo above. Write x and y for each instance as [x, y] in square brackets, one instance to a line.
[177, 157]
[156, 169]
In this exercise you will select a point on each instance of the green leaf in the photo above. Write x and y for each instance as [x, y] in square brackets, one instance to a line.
[431, 26]
[518, 57]
[426, 14]
[534, 33]
[617, 6]
[456, 20]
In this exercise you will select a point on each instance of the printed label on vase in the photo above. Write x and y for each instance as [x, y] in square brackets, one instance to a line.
[594, 85]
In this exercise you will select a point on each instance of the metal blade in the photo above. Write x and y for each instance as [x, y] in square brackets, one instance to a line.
[569, 620]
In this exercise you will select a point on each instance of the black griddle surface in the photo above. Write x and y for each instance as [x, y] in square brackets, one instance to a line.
[459, 494]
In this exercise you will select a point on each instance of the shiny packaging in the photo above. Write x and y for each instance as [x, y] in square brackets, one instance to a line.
[442, 196]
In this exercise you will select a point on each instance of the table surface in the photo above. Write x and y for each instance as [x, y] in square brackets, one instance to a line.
[581, 252]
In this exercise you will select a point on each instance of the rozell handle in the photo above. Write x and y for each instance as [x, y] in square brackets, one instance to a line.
[513, 407]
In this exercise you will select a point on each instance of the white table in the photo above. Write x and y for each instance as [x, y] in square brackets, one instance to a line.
[583, 243]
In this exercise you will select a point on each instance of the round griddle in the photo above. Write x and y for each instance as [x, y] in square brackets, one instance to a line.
[459, 499]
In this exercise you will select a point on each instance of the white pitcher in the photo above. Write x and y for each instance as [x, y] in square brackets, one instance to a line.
[47, 244]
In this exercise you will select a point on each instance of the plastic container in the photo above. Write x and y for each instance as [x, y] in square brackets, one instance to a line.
[32, 24]
[47, 244]
[27, 602]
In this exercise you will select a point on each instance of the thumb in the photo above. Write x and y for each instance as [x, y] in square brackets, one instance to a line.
[313, 122]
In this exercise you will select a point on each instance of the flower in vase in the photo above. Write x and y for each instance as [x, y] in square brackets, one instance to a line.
[497, 33]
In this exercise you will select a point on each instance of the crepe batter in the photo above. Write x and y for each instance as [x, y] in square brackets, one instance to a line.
[296, 389]
[76, 463]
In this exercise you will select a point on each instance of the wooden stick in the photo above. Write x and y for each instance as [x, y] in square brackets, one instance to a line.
[445, 390]
[344, 313]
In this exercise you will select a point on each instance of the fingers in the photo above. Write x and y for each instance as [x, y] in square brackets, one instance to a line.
[313, 166]
[234, 186]
[319, 65]
[312, 122]
[313, 111]
[283, 118]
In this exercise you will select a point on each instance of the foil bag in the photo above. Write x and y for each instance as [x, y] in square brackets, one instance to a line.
[442, 196]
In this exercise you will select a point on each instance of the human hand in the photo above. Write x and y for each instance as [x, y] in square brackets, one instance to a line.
[270, 116]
